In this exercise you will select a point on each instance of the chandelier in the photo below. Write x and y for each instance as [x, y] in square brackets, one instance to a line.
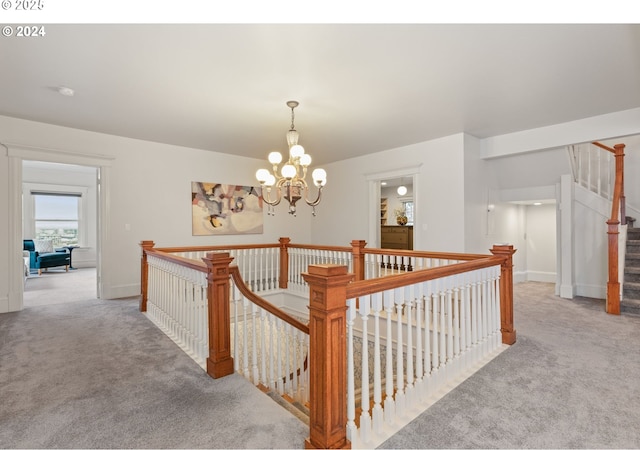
[291, 183]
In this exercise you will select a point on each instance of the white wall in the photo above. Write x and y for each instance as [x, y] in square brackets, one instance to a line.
[541, 249]
[149, 198]
[438, 195]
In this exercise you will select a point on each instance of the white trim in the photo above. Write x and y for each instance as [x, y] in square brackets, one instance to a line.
[543, 277]
[57, 156]
[591, 291]
[16, 271]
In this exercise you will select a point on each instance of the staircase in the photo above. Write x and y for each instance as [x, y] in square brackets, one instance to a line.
[631, 288]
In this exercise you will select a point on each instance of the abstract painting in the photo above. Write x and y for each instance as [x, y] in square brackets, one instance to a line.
[225, 209]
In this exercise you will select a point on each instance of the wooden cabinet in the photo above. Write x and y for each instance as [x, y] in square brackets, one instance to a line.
[396, 237]
[383, 211]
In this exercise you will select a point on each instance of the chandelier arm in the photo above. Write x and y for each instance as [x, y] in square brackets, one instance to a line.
[306, 196]
[267, 199]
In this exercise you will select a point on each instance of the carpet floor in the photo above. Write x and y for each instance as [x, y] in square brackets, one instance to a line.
[97, 374]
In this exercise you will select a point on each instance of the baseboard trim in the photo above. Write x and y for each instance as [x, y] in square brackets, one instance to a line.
[591, 291]
[519, 277]
[544, 277]
[567, 291]
[121, 291]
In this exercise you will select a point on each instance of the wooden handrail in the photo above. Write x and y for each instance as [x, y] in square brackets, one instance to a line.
[423, 254]
[211, 248]
[187, 262]
[262, 303]
[334, 248]
[366, 287]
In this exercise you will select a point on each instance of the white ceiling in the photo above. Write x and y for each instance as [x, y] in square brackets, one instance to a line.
[362, 88]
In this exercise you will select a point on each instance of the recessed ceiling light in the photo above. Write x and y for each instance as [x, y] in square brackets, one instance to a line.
[537, 204]
[66, 91]
[383, 183]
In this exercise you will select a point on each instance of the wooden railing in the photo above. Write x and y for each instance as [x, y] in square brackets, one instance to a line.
[617, 218]
[465, 303]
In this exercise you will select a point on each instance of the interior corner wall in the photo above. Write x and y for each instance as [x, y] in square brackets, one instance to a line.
[344, 212]
[590, 261]
[149, 198]
[541, 248]
[480, 185]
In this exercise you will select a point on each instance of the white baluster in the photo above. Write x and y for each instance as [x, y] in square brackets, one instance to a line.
[263, 349]
[419, 383]
[409, 394]
[365, 418]
[442, 339]
[273, 332]
[389, 403]
[294, 362]
[280, 381]
[351, 396]
[377, 412]
[289, 369]
[245, 338]
[435, 336]
[455, 280]
[449, 316]
[427, 295]
[400, 394]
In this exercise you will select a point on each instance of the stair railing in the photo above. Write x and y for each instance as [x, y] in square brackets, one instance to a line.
[316, 365]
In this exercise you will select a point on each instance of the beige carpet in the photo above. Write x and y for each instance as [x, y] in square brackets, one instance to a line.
[98, 374]
[57, 286]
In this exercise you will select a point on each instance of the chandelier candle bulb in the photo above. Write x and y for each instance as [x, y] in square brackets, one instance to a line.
[291, 183]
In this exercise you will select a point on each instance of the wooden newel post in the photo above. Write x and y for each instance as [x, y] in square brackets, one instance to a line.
[219, 362]
[144, 274]
[327, 355]
[357, 253]
[506, 292]
[612, 305]
[284, 262]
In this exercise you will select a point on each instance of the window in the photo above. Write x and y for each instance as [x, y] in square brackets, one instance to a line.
[408, 209]
[56, 217]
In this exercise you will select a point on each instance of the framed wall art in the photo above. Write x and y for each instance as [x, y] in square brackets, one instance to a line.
[218, 209]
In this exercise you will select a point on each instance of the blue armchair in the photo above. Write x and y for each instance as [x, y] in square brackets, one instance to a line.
[58, 257]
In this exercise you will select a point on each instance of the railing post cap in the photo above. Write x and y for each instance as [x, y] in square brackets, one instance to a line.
[502, 248]
[327, 270]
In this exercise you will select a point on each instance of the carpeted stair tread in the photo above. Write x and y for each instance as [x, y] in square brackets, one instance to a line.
[631, 290]
[295, 408]
[630, 306]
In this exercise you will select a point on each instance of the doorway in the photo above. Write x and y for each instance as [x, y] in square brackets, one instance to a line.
[408, 177]
[17, 154]
[60, 205]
